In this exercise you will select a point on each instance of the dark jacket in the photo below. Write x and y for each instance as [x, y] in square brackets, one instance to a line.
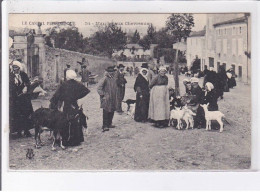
[107, 88]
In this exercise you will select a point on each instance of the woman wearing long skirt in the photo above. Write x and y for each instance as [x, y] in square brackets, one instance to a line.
[159, 106]
[141, 88]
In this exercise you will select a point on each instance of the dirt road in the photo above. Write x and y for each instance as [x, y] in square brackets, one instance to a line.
[138, 146]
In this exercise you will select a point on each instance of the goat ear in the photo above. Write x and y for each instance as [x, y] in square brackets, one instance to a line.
[207, 104]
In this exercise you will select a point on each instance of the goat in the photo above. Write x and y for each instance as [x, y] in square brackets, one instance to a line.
[178, 115]
[212, 115]
[188, 117]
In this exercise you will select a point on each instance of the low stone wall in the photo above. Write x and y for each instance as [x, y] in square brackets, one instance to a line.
[57, 59]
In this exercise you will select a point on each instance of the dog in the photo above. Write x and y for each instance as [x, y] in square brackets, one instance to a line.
[130, 107]
[57, 122]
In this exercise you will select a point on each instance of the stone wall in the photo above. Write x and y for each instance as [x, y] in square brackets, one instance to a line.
[57, 59]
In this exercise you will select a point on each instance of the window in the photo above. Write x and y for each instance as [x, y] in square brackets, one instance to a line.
[234, 46]
[239, 71]
[240, 30]
[225, 31]
[240, 46]
[225, 46]
[234, 31]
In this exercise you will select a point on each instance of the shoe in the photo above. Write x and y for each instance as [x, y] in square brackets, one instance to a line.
[104, 129]
[112, 126]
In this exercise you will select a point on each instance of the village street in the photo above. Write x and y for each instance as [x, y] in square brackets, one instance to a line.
[141, 146]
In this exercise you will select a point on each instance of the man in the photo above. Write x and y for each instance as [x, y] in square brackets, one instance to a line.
[107, 88]
[121, 82]
[152, 71]
[65, 70]
[85, 75]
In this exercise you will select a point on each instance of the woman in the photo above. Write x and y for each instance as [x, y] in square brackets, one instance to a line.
[210, 97]
[222, 81]
[231, 78]
[69, 93]
[188, 87]
[141, 88]
[159, 107]
[20, 101]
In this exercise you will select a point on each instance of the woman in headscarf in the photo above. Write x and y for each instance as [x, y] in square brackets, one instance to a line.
[231, 78]
[187, 85]
[20, 100]
[141, 88]
[69, 93]
[222, 81]
[159, 107]
[210, 96]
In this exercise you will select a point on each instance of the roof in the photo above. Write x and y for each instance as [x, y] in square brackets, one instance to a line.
[198, 33]
[130, 46]
[232, 21]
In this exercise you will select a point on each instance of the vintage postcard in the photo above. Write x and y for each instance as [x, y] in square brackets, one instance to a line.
[130, 91]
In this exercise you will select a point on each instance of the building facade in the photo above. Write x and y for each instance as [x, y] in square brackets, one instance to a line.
[195, 47]
[226, 42]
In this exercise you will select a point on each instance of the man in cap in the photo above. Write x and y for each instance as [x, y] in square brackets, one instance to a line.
[121, 82]
[20, 101]
[107, 88]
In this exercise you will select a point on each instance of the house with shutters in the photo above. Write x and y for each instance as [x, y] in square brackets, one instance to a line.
[224, 41]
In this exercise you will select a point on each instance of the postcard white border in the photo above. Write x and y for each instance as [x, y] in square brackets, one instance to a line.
[132, 180]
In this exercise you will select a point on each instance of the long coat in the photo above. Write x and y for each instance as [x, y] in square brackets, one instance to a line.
[107, 87]
[141, 88]
[69, 93]
[120, 93]
[20, 104]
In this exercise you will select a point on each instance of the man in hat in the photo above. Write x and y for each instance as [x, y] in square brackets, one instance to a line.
[121, 82]
[65, 70]
[107, 88]
[20, 101]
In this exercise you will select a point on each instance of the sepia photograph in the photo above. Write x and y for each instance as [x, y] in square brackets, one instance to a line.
[130, 91]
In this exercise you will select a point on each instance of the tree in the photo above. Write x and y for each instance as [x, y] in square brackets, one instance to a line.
[179, 25]
[109, 39]
[148, 39]
[69, 39]
[136, 37]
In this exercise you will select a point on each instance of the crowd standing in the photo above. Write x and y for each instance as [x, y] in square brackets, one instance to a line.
[154, 98]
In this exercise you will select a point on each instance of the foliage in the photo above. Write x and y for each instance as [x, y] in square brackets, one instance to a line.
[180, 25]
[148, 39]
[136, 37]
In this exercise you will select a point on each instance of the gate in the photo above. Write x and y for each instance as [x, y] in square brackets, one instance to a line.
[32, 57]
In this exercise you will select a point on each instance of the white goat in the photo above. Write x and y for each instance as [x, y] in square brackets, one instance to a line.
[212, 115]
[176, 114]
[188, 117]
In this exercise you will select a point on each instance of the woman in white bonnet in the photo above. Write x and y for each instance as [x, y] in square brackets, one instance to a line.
[20, 105]
[210, 96]
[159, 106]
[70, 92]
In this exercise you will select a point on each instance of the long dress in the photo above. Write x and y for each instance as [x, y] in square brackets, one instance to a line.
[141, 88]
[159, 106]
[69, 92]
[20, 104]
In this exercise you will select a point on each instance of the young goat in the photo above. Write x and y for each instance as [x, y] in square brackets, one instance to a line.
[188, 117]
[176, 114]
[212, 115]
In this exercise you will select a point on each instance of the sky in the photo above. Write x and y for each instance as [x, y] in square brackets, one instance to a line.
[87, 23]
